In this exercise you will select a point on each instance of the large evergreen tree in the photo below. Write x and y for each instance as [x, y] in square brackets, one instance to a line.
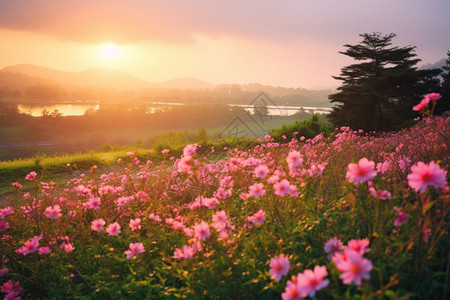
[443, 104]
[379, 91]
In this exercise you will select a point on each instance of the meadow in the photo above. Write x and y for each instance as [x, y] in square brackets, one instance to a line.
[347, 215]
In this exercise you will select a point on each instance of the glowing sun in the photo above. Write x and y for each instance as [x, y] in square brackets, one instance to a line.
[109, 51]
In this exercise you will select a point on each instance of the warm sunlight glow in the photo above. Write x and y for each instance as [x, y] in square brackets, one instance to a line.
[110, 51]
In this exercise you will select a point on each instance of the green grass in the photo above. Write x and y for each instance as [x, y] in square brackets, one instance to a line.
[55, 167]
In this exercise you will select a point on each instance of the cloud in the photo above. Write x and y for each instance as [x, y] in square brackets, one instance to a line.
[93, 21]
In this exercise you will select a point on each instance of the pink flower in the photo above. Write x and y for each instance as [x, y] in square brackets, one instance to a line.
[279, 266]
[93, 203]
[31, 176]
[3, 225]
[258, 218]
[423, 104]
[184, 164]
[165, 151]
[401, 217]
[201, 231]
[53, 212]
[113, 229]
[187, 252]
[354, 267]
[311, 281]
[135, 249]
[282, 188]
[332, 246]
[155, 218]
[424, 175]
[294, 159]
[210, 202]
[68, 247]
[382, 194]
[30, 245]
[359, 246]
[44, 250]
[134, 224]
[256, 190]
[433, 96]
[189, 150]
[98, 224]
[261, 171]
[220, 217]
[16, 185]
[6, 211]
[361, 172]
[292, 291]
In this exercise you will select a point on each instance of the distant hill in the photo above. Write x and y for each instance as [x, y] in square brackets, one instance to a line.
[100, 78]
[437, 65]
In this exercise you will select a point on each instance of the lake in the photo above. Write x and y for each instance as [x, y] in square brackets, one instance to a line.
[79, 109]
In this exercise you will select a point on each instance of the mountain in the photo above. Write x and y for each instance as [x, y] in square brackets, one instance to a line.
[101, 78]
[437, 65]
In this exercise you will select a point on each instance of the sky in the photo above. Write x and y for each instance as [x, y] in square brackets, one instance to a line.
[291, 43]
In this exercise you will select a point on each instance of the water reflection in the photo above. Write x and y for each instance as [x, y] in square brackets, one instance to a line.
[63, 109]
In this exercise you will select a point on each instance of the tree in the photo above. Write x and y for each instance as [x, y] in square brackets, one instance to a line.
[378, 93]
[443, 104]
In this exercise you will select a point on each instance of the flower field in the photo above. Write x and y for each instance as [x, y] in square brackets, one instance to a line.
[348, 216]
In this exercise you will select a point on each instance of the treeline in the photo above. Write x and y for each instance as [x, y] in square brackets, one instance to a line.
[18, 88]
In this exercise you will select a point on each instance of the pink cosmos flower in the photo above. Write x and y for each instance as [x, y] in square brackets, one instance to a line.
[31, 176]
[332, 246]
[382, 194]
[30, 245]
[44, 250]
[93, 203]
[258, 218]
[292, 291]
[256, 190]
[53, 212]
[361, 172]
[113, 229]
[210, 202]
[135, 249]
[134, 224]
[360, 246]
[311, 281]
[184, 164]
[187, 252]
[3, 225]
[294, 159]
[401, 217]
[424, 175]
[279, 267]
[220, 217]
[354, 267]
[6, 211]
[98, 224]
[423, 104]
[66, 245]
[165, 151]
[189, 150]
[201, 231]
[282, 188]
[433, 96]
[261, 171]
[155, 218]
[16, 185]
[12, 289]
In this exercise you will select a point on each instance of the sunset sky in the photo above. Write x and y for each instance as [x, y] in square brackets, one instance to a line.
[292, 43]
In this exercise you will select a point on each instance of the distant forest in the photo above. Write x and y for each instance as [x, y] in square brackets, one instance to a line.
[19, 88]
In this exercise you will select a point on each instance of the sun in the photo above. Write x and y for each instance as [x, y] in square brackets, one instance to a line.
[109, 51]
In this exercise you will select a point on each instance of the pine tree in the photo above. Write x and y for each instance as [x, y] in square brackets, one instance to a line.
[379, 91]
[443, 104]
